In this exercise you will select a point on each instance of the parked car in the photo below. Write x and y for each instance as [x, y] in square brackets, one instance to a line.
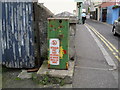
[116, 27]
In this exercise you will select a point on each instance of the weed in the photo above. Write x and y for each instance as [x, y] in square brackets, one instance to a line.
[47, 80]
[62, 83]
[34, 78]
[4, 69]
[17, 78]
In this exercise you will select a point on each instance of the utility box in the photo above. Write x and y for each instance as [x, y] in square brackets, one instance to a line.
[58, 43]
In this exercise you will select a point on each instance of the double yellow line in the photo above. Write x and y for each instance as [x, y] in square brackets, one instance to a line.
[110, 46]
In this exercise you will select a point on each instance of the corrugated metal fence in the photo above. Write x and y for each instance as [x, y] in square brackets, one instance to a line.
[0, 32]
[17, 37]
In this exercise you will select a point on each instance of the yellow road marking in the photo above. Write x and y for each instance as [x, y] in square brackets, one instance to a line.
[114, 53]
[106, 42]
[117, 58]
[109, 43]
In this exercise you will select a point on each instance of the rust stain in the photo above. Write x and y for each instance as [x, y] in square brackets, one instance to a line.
[51, 25]
[67, 65]
[61, 36]
[61, 26]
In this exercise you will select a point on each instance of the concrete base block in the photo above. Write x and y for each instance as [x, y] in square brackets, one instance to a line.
[66, 75]
[58, 86]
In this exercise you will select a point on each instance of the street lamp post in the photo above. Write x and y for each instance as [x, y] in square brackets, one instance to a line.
[79, 7]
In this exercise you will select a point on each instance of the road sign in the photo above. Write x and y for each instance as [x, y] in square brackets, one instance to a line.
[54, 51]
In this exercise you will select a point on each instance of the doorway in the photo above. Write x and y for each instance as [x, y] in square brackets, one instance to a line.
[104, 15]
[96, 14]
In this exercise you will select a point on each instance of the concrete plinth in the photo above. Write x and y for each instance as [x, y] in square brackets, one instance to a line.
[66, 75]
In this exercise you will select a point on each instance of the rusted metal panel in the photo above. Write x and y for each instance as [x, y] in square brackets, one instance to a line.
[17, 35]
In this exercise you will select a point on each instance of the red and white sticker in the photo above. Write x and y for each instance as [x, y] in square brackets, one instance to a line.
[54, 51]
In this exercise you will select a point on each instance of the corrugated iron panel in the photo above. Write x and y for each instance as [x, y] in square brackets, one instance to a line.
[0, 32]
[19, 0]
[17, 35]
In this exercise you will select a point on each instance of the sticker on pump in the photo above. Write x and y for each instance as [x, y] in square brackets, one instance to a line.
[54, 51]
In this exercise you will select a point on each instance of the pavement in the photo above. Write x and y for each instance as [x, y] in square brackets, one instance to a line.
[10, 80]
[91, 67]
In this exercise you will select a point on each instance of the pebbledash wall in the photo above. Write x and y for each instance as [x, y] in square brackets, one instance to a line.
[20, 34]
[112, 14]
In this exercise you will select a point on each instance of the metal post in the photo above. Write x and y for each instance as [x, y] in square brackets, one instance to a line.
[79, 5]
[79, 16]
[81, 12]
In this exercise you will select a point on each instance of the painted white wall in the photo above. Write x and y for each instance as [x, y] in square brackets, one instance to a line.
[98, 15]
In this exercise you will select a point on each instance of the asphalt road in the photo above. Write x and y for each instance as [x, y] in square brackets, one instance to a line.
[106, 30]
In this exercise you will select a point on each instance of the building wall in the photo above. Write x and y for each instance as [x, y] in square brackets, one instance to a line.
[101, 14]
[115, 14]
[112, 14]
[43, 13]
[98, 13]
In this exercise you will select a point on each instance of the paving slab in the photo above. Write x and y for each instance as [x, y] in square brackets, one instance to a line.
[25, 75]
[94, 78]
